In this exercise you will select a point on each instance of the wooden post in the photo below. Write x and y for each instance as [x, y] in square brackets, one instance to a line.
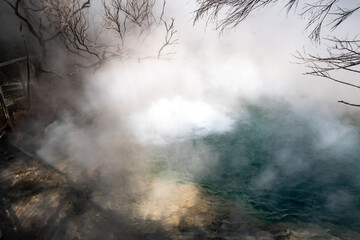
[28, 70]
[5, 110]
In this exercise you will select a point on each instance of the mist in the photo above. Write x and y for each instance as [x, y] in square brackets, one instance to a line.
[225, 139]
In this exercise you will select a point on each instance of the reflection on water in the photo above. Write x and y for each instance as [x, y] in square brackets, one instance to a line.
[172, 203]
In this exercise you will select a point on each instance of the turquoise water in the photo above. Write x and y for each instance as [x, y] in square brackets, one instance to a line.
[280, 165]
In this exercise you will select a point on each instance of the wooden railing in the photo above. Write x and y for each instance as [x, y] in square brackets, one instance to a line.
[12, 91]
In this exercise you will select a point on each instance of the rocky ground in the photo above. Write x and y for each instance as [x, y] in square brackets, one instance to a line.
[37, 201]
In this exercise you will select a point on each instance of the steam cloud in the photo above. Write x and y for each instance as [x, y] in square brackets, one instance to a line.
[133, 113]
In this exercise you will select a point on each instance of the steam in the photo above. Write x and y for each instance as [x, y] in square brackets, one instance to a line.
[168, 120]
[142, 128]
[165, 101]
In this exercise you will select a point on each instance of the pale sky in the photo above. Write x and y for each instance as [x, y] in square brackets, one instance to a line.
[267, 40]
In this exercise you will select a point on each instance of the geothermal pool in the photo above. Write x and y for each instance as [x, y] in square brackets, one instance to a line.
[279, 172]
[280, 169]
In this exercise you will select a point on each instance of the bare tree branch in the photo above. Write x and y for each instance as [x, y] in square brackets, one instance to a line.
[69, 21]
[350, 104]
[342, 55]
[169, 38]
